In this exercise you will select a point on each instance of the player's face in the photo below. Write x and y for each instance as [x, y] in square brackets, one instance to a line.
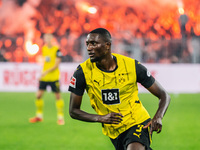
[96, 47]
[48, 38]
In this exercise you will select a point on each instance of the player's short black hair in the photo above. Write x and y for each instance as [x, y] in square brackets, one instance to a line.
[104, 33]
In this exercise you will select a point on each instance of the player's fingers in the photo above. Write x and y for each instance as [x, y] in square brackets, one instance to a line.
[156, 127]
[148, 124]
[159, 130]
[116, 120]
[118, 114]
[151, 129]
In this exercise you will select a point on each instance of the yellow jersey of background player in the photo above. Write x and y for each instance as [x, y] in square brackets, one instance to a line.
[114, 91]
[49, 77]
[50, 55]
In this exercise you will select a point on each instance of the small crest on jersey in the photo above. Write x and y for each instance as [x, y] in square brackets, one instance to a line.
[47, 59]
[73, 82]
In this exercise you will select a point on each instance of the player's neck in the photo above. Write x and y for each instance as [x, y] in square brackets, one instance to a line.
[49, 45]
[108, 64]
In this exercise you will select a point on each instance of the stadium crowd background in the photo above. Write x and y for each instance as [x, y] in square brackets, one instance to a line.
[166, 31]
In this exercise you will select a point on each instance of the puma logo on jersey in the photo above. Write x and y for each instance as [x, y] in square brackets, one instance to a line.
[97, 81]
[137, 101]
[138, 135]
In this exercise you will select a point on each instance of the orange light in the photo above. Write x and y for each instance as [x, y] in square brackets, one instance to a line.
[1, 44]
[86, 7]
[19, 41]
[8, 43]
[32, 49]
[181, 10]
[92, 10]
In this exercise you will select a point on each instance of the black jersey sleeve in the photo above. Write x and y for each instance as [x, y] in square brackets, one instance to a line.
[143, 75]
[59, 54]
[77, 84]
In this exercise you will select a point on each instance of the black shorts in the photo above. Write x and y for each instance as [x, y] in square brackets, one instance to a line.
[133, 134]
[55, 86]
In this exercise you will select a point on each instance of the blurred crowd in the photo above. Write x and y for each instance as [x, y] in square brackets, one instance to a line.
[151, 33]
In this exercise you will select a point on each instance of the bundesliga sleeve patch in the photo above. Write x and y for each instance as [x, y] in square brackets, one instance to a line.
[148, 73]
[59, 54]
[73, 82]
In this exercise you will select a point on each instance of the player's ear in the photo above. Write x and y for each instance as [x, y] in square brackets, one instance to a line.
[108, 45]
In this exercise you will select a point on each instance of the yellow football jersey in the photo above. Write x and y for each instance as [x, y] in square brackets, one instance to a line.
[50, 55]
[115, 91]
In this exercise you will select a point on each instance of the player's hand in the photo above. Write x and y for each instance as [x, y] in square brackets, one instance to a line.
[111, 118]
[155, 125]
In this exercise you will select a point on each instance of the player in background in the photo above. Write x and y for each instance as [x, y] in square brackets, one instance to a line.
[111, 82]
[49, 77]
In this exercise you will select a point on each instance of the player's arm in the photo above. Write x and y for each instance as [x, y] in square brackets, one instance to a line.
[56, 65]
[77, 87]
[164, 100]
[147, 80]
[76, 113]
